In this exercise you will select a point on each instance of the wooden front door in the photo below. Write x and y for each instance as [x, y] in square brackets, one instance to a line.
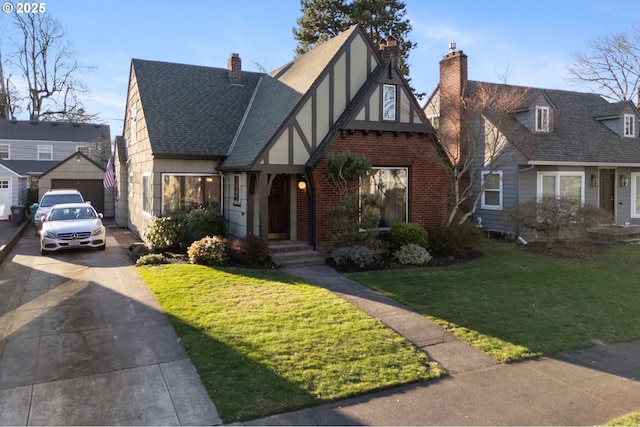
[279, 208]
[607, 190]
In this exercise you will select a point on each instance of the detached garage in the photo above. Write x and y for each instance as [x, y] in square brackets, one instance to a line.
[83, 174]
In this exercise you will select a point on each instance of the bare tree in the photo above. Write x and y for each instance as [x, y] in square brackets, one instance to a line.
[473, 137]
[47, 66]
[612, 64]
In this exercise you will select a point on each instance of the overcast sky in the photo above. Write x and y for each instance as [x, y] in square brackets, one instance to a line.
[531, 43]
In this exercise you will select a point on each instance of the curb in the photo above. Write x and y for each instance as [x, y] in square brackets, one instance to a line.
[6, 248]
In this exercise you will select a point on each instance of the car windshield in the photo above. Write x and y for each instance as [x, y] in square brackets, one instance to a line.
[66, 214]
[56, 199]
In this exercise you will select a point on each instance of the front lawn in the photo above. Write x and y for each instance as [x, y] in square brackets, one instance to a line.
[513, 304]
[264, 343]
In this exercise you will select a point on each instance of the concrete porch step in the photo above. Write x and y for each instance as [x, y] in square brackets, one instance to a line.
[289, 253]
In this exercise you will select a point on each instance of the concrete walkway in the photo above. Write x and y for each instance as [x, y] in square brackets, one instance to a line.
[587, 387]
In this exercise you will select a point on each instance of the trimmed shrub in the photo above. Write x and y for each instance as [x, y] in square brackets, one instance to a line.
[209, 251]
[151, 259]
[250, 250]
[456, 240]
[405, 233]
[360, 256]
[168, 231]
[412, 254]
[203, 222]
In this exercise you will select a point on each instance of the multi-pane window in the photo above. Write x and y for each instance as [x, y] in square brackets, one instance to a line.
[629, 125]
[186, 192]
[561, 184]
[146, 193]
[389, 187]
[45, 152]
[4, 184]
[5, 151]
[492, 190]
[542, 119]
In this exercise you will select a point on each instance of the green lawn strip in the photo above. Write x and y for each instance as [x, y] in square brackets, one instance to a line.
[632, 419]
[265, 343]
[513, 305]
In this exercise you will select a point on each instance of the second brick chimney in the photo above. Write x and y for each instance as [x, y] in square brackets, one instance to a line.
[453, 90]
[234, 65]
[389, 50]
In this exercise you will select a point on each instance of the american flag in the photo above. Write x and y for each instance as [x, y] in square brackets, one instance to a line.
[109, 176]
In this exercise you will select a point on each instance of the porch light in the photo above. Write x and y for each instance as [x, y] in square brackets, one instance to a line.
[624, 180]
[594, 180]
[302, 185]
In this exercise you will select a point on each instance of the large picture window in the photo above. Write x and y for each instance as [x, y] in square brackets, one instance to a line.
[186, 192]
[561, 184]
[389, 187]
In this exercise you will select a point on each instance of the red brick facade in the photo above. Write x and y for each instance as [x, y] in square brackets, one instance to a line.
[428, 183]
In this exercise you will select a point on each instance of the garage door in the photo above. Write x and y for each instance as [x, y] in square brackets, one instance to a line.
[5, 198]
[91, 189]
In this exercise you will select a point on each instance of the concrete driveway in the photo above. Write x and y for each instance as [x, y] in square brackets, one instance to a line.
[84, 342]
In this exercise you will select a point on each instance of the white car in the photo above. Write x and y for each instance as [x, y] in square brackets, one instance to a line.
[72, 226]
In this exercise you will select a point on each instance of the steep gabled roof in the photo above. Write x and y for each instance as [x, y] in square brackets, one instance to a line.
[25, 130]
[190, 110]
[577, 137]
[277, 96]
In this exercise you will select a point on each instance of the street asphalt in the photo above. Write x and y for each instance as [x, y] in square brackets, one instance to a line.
[84, 342]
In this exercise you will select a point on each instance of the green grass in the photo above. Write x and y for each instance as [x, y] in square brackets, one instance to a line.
[513, 305]
[632, 419]
[265, 343]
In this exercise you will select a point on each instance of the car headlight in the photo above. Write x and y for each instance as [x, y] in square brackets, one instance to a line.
[50, 235]
[97, 231]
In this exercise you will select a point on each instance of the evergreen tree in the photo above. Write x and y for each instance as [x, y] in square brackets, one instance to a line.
[324, 19]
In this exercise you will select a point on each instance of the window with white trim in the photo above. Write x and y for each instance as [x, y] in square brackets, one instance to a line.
[542, 119]
[5, 151]
[492, 190]
[561, 184]
[147, 206]
[629, 126]
[4, 184]
[186, 192]
[45, 152]
[635, 195]
[389, 187]
[236, 190]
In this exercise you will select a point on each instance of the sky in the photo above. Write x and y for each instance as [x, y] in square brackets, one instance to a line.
[527, 43]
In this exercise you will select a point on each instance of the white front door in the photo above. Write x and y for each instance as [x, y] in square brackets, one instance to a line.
[5, 198]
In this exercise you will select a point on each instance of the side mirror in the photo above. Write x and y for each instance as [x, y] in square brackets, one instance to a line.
[100, 215]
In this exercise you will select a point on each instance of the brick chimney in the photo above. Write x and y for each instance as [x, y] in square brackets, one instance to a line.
[453, 89]
[234, 65]
[389, 50]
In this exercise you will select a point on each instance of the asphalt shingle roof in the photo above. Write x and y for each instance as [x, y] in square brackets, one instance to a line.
[53, 131]
[191, 110]
[577, 135]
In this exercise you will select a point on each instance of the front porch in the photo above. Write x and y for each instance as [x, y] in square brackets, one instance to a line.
[618, 234]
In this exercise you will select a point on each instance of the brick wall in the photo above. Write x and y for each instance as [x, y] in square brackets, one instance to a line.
[428, 183]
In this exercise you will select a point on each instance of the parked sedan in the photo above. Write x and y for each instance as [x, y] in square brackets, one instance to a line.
[71, 226]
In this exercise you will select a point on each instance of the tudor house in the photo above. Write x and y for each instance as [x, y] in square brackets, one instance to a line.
[255, 144]
[560, 143]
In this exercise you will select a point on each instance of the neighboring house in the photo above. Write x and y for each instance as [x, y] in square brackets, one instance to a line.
[255, 144]
[560, 143]
[29, 149]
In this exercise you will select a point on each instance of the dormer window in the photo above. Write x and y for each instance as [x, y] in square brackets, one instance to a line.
[629, 126]
[542, 119]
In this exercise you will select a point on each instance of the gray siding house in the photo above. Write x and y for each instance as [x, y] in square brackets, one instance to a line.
[30, 150]
[559, 142]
